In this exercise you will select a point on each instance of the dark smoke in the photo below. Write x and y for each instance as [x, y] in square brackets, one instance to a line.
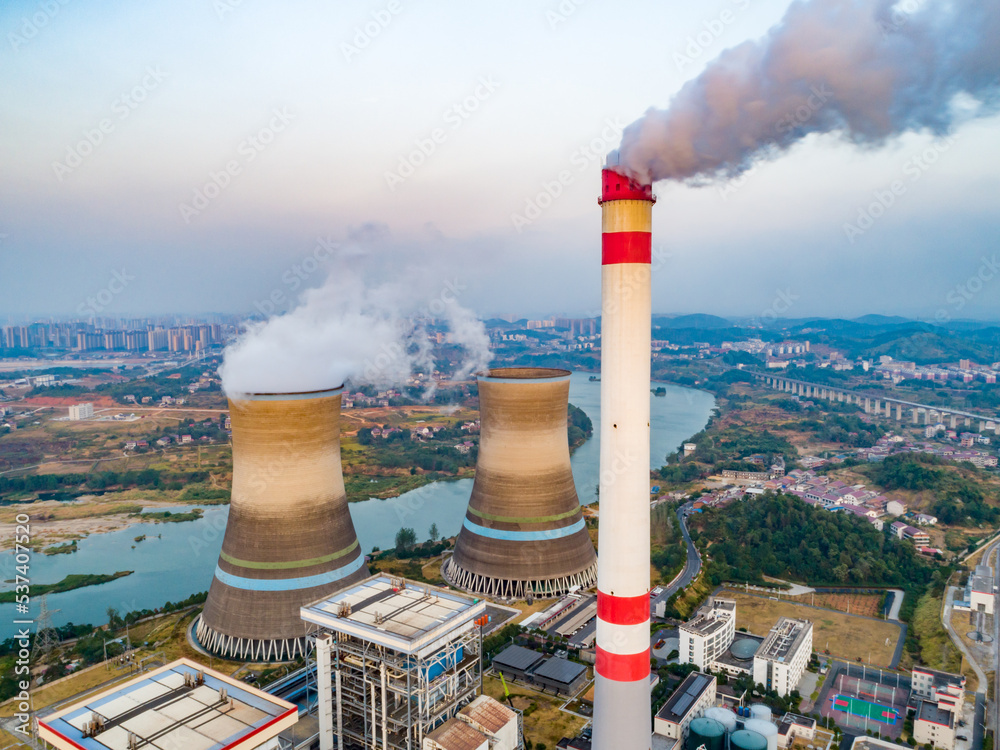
[868, 69]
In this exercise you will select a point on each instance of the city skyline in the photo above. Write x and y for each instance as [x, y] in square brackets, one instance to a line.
[318, 143]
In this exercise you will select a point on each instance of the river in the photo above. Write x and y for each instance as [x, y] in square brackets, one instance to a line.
[176, 560]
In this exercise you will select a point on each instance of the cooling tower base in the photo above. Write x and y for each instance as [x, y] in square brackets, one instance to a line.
[505, 588]
[246, 649]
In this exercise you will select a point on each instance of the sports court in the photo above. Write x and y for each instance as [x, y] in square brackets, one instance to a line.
[869, 700]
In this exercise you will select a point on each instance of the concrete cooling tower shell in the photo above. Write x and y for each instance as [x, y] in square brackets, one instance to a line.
[290, 539]
[524, 533]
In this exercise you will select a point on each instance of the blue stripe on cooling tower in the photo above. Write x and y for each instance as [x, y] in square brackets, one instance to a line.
[525, 536]
[289, 584]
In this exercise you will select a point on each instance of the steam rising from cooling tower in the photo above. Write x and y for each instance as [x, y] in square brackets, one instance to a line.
[524, 533]
[349, 329]
[868, 69]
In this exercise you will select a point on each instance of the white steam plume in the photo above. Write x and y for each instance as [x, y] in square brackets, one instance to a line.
[869, 69]
[348, 330]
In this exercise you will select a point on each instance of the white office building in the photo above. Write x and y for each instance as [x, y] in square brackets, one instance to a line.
[708, 636]
[782, 658]
[81, 411]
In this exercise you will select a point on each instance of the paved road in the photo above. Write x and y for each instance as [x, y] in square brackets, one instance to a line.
[691, 567]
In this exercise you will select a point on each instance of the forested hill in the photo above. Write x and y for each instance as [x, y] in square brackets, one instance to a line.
[783, 537]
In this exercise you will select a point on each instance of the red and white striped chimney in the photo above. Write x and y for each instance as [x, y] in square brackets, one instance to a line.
[621, 699]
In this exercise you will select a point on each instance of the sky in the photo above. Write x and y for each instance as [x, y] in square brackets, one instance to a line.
[223, 155]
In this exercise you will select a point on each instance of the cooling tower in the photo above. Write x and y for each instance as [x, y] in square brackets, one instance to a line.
[524, 533]
[621, 685]
[290, 539]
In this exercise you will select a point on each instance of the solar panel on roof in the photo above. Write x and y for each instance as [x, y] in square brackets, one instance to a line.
[560, 670]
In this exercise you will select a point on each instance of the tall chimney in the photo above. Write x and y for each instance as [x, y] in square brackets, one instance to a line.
[621, 697]
[290, 539]
[524, 535]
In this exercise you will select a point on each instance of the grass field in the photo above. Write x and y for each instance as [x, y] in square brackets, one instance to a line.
[855, 604]
[543, 721]
[844, 635]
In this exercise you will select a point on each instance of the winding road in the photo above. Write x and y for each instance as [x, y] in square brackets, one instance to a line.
[692, 566]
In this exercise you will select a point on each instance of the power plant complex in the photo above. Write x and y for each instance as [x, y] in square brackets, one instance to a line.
[290, 539]
[398, 664]
[523, 535]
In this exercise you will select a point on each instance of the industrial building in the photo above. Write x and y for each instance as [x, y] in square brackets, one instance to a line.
[695, 694]
[708, 634]
[394, 660]
[939, 697]
[289, 538]
[484, 724]
[780, 661]
[524, 535]
[980, 592]
[561, 676]
[180, 705]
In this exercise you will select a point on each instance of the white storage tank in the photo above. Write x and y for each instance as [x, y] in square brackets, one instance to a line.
[765, 728]
[724, 716]
[760, 711]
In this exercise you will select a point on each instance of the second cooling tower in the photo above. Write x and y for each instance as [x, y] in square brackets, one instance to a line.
[289, 539]
[524, 533]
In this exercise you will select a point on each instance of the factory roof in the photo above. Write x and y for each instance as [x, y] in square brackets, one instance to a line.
[404, 615]
[685, 696]
[930, 711]
[559, 670]
[784, 640]
[517, 657]
[457, 735]
[488, 713]
[178, 705]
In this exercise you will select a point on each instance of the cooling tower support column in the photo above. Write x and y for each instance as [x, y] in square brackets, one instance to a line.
[289, 538]
[621, 701]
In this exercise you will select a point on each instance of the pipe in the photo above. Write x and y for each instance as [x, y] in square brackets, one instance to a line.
[385, 713]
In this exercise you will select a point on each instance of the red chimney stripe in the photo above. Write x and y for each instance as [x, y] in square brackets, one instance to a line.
[628, 668]
[622, 610]
[626, 247]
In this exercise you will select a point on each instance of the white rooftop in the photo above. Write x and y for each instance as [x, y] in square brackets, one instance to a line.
[403, 615]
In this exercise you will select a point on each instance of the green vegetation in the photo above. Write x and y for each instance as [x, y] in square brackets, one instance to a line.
[960, 498]
[108, 480]
[736, 442]
[782, 537]
[167, 516]
[669, 552]
[848, 429]
[580, 427]
[61, 549]
[69, 583]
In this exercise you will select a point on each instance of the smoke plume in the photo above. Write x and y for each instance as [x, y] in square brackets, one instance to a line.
[868, 69]
[350, 330]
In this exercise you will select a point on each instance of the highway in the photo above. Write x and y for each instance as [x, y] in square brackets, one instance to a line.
[692, 566]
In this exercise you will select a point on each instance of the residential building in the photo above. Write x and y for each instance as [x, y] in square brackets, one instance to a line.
[784, 655]
[687, 702]
[708, 634]
[81, 411]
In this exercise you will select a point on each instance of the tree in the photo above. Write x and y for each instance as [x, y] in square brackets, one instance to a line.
[433, 532]
[112, 614]
[405, 539]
